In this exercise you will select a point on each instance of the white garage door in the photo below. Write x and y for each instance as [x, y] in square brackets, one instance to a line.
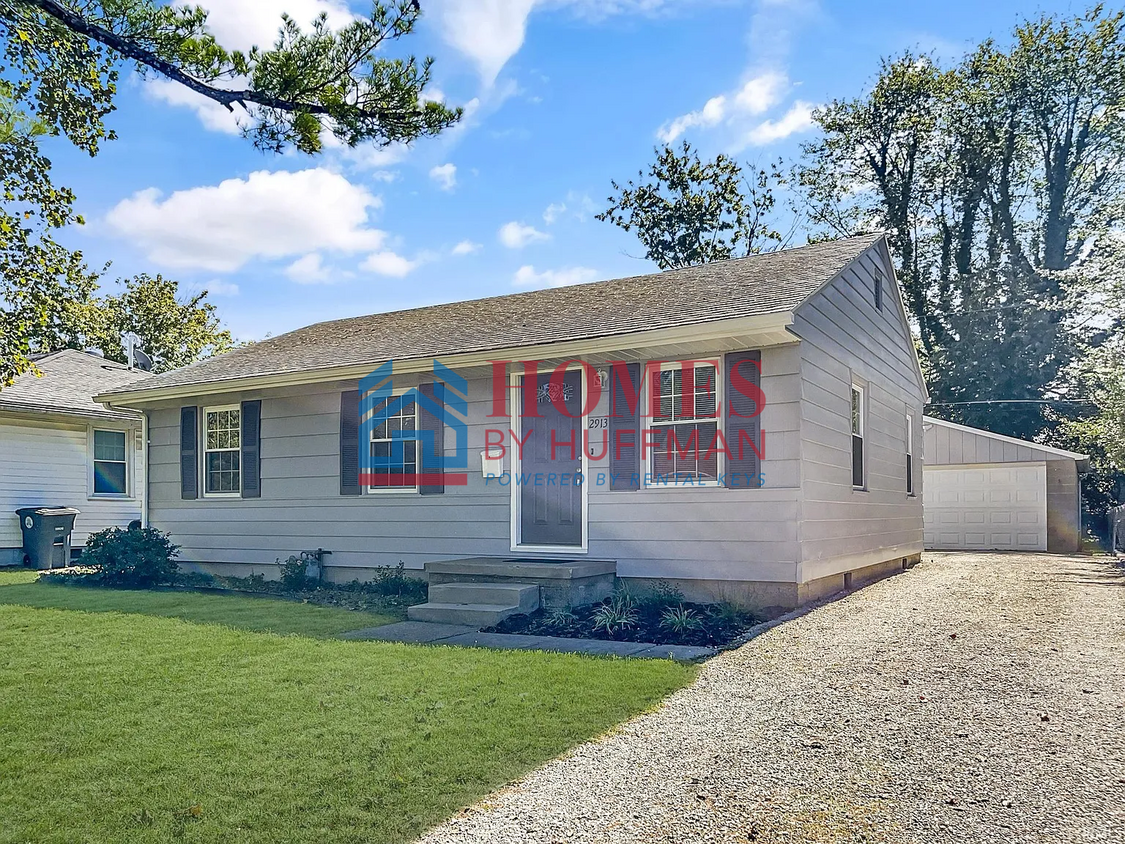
[1000, 507]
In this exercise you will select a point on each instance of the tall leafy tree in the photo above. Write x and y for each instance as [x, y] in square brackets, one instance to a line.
[999, 182]
[61, 61]
[691, 211]
[175, 330]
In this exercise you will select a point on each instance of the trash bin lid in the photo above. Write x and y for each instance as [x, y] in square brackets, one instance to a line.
[49, 511]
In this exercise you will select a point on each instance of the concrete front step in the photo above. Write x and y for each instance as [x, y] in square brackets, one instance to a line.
[525, 596]
[471, 615]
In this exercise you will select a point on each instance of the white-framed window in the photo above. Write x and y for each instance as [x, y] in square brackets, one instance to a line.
[402, 475]
[909, 454]
[684, 430]
[222, 450]
[858, 459]
[110, 462]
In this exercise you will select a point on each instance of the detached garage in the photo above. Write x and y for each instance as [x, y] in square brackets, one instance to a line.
[984, 491]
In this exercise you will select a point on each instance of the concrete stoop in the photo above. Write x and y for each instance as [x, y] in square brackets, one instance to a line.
[476, 604]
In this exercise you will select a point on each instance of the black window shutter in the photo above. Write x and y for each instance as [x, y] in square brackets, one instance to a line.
[349, 443]
[428, 421]
[743, 420]
[624, 428]
[189, 452]
[251, 443]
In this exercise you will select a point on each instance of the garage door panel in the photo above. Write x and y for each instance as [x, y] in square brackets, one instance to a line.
[986, 508]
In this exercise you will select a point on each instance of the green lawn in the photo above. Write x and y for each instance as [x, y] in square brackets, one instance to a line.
[119, 724]
[259, 613]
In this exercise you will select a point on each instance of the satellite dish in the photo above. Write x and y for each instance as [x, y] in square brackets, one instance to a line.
[142, 361]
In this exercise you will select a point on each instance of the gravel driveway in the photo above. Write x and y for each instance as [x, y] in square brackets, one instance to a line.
[978, 697]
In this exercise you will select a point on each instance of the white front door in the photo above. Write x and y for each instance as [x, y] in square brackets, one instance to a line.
[999, 507]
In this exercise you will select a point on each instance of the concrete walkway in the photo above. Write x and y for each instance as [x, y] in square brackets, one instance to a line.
[424, 632]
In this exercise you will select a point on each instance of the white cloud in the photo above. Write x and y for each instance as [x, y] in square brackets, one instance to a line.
[526, 276]
[218, 287]
[445, 175]
[761, 93]
[516, 235]
[757, 95]
[579, 205]
[267, 215]
[797, 119]
[466, 247]
[713, 111]
[490, 32]
[308, 269]
[211, 114]
[242, 24]
[388, 263]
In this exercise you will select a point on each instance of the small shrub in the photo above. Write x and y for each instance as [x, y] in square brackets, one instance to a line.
[294, 573]
[681, 621]
[662, 597]
[393, 582]
[133, 559]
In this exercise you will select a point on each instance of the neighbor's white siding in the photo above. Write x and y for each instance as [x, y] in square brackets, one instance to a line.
[845, 339]
[46, 463]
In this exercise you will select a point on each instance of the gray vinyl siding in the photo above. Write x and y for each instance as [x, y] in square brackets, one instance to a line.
[947, 446]
[845, 339]
[46, 462]
[705, 534]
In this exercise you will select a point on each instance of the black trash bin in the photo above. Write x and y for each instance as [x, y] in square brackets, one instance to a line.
[46, 535]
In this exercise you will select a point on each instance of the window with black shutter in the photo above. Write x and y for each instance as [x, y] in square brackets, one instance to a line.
[909, 454]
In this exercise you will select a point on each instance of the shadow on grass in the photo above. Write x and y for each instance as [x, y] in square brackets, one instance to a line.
[255, 613]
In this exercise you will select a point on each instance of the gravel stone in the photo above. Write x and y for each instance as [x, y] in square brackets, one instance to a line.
[974, 698]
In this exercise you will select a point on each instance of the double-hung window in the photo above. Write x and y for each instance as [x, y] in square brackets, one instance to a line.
[222, 441]
[684, 424]
[111, 466]
[857, 437]
[395, 460]
[909, 454]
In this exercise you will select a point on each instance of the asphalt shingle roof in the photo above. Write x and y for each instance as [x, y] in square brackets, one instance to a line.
[774, 282]
[68, 384]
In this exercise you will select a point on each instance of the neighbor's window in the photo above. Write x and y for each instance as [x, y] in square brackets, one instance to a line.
[857, 436]
[684, 430]
[878, 290]
[402, 474]
[222, 441]
[110, 464]
[909, 454]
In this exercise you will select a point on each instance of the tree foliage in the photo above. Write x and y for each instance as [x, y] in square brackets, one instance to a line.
[62, 61]
[692, 211]
[999, 182]
[174, 330]
[68, 55]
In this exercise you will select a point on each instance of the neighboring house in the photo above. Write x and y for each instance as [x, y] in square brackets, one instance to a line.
[253, 455]
[58, 447]
[988, 492]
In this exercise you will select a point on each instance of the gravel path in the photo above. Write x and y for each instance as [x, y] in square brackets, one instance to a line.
[978, 697]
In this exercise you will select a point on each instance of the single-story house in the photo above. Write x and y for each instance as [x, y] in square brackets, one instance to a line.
[58, 447]
[802, 358]
[985, 491]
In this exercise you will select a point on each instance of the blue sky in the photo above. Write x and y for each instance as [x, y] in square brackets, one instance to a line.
[561, 96]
